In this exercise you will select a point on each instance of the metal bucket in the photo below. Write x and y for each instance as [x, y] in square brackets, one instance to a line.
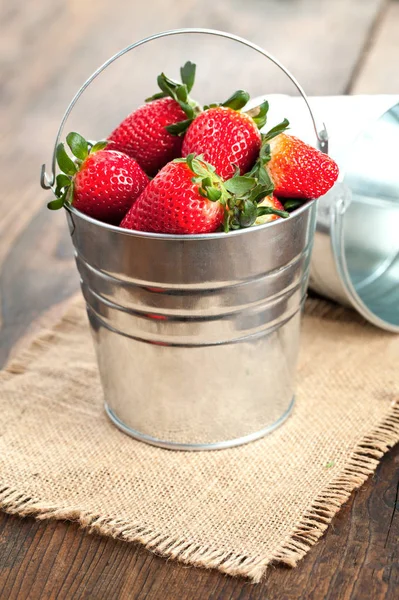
[196, 337]
[356, 255]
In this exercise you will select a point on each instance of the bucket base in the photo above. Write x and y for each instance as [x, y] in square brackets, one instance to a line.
[143, 437]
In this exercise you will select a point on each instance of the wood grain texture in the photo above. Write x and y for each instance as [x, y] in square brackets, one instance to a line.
[45, 54]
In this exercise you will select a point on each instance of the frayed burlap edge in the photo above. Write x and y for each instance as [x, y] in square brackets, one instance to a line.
[315, 520]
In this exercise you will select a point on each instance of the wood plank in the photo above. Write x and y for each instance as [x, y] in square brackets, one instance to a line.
[379, 69]
[46, 53]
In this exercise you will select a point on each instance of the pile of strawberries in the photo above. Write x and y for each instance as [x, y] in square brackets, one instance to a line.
[174, 167]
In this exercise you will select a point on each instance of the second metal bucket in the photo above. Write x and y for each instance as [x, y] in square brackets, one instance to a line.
[356, 255]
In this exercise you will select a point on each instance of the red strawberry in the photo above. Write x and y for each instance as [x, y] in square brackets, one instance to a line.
[101, 183]
[272, 202]
[148, 133]
[298, 170]
[107, 184]
[226, 137]
[143, 134]
[185, 197]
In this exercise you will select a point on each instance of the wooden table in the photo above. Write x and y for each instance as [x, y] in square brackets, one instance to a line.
[47, 50]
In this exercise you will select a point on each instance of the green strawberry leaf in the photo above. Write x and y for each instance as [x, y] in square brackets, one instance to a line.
[233, 221]
[226, 222]
[259, 192]
[237, 170]
[173, 89]
[179, 128]
[179, 91]
[264, 179]
[232, 201]
[293, 203]
[237, 101]
[78, 145]
[210, 185]
[66, 165]
[260, 116]
[213, 105]
[56, 204]
[240, 185]
[264, 153]
[157, 96]
[248, 214]
[187, 73]
[189, 161]
[187, 109]
[60, 202]
[213, 194]
[166, 84]
[268, 210]
[62, 181]
[69, 194]
[182, 93]
[280, 128]
[100, 145]
[259, 170]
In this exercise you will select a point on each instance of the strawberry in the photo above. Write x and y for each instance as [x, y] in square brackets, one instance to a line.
[182, 198]
[295, 169]
[145, 134]
[188, 197]
[226, 137]
[299, 170]
[100, 183]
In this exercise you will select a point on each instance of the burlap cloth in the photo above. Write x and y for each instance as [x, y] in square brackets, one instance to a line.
[235, 510]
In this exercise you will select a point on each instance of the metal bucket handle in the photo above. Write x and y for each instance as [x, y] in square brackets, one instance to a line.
[47, 181]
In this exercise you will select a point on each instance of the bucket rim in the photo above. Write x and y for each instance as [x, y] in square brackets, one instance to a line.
[310, 204]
